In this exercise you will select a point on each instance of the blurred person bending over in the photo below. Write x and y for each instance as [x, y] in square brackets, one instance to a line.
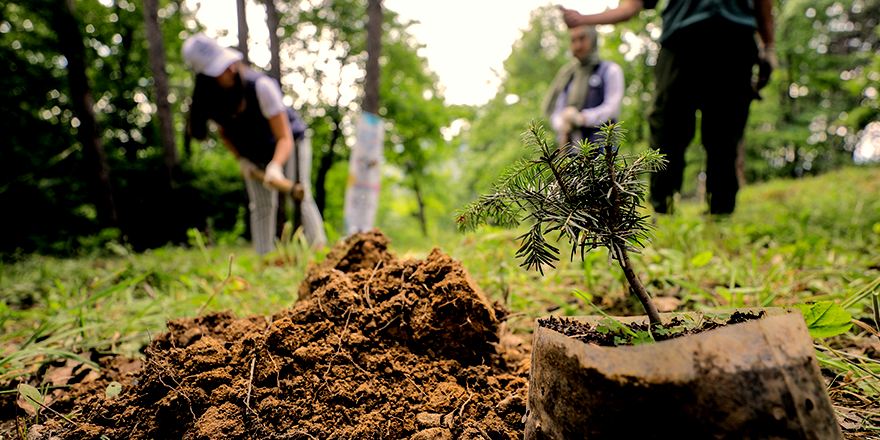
[708, 51]
[258, 129]
[585, 94]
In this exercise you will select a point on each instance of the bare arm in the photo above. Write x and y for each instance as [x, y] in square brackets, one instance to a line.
[623, 12]
[764, 18]
[280, 126]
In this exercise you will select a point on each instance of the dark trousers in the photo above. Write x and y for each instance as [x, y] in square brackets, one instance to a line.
[708, 67]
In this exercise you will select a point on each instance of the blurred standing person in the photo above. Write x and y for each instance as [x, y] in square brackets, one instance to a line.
[708, 51]
[586, 93]
[258, 129]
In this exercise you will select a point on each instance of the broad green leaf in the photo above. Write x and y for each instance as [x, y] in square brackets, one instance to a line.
[725, 293]
[31, 394]
[825, 318]
[701, 259]
[113, 389]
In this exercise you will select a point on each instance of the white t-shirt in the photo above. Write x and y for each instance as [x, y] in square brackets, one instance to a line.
[270, 97]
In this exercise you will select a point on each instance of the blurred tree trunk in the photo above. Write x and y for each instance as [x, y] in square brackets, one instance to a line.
[274, 43]
[241, 6]
[70, 41]
[187, 140]
[374, 49]
[787, 105]
[242, 30]
[160, 82]
[275, 72]
[187, 137]
[328, 159]
[131, 148]
[420, 199]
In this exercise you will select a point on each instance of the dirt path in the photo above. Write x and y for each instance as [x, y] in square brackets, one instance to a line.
[376, 348]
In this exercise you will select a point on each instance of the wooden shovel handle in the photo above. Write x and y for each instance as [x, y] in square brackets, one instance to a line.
[283, 185]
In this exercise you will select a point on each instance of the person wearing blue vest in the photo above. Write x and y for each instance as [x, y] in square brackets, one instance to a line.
[585, 94]
[708, 52]
[258, 128]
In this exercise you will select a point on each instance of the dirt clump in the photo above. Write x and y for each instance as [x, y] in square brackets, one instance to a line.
[376, 348]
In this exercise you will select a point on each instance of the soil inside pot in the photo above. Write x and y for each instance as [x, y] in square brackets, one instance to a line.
[376, 348]
[610, 332]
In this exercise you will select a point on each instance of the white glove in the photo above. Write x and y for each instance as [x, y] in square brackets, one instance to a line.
[273, 172]
[246, 167]
[573, 116]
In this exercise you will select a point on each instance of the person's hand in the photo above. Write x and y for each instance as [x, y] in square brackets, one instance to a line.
[565, 127]
[767, 63]
[571, 17]
[273, 172]
[299, 192]
[573, 116]
[246, 167]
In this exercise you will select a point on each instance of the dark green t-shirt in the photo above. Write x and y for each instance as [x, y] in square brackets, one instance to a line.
[682, 13]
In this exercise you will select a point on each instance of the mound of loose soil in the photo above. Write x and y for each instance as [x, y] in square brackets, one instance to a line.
[376, 348]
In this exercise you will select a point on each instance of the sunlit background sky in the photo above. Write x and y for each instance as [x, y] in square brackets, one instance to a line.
[465, 39]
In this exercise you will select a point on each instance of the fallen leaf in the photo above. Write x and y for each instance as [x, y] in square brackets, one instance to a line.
[132, 366]
[26, 405]
[91, 377]
[847, 419]
[150, 291]
[60, 376]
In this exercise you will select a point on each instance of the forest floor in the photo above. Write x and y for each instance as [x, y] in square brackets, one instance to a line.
[375, 348]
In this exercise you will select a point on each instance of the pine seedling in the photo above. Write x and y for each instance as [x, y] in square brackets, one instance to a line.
[593, 198]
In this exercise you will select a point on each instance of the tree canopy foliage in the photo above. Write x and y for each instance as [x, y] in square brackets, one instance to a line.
[812, 118]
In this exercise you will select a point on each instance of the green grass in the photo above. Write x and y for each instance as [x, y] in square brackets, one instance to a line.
[59, 307]
[789, 242]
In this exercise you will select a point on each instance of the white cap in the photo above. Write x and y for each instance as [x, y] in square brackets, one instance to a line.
[205, 56]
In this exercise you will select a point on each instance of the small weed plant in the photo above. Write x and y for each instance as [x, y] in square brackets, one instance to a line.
[594, 198]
